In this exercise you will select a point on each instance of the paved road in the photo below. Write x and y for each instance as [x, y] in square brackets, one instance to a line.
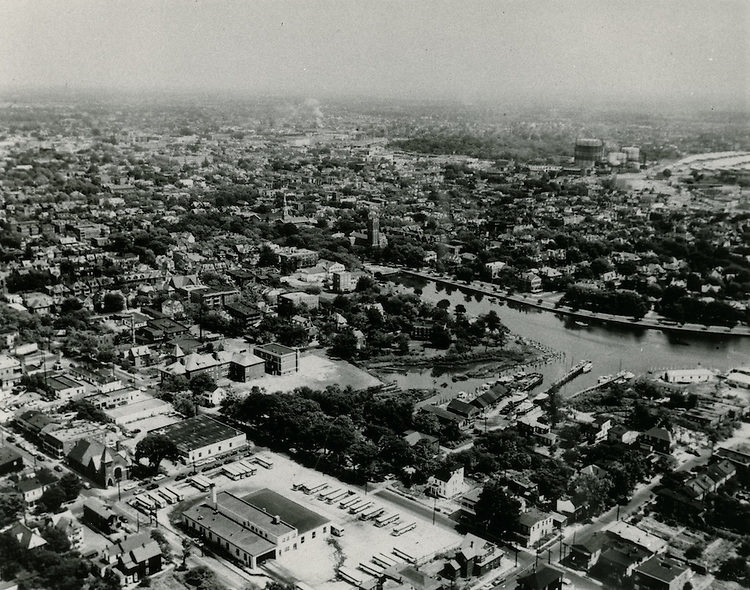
[416, 507]
[651, 321]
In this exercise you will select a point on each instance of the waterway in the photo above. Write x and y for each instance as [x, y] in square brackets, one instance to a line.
[610, 348]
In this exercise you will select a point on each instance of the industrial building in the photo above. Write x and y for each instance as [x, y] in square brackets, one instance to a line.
[203, 437]
[588, 152]
[262, 525]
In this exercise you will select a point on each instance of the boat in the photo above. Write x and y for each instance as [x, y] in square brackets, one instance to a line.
[582, 324]
[603, 379]
[587, 367]
[459, 377]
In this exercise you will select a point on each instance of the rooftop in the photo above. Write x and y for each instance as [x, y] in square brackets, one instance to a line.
[197, 432]
[301, 518]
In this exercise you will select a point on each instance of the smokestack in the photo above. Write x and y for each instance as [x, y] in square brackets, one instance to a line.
[213, 497]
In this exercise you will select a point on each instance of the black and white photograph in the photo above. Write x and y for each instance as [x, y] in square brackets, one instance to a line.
[374, 295]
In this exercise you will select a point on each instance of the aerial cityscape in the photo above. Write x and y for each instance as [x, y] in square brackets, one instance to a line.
[338, 296]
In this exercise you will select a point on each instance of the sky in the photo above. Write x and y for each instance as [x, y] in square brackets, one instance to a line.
[580, 50]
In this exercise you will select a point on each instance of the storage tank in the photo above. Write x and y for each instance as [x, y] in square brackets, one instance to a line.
[588, 152]
[617, 158]
[633, 153]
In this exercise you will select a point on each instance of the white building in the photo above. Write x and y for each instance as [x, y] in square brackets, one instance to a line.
[684, 376]
[447, 484]
[10, 372]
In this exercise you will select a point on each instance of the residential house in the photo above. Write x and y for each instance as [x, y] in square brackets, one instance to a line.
[476, 556]
[32, 488]
[657, 439]
[10, 373]
[99, 517]
[10, 460]
[446, 483]
[27, 537]
[135, 557]
[533, 526]
[660, 573]
[545, 578]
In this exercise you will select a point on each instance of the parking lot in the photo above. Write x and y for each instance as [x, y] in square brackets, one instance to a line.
[360, 540]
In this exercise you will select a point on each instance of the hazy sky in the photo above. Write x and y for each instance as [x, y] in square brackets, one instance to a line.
[465, 49]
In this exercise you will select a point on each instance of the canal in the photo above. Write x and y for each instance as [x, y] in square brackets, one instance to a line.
[610, 348]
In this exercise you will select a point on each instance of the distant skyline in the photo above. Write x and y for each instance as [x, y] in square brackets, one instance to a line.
[581, 51]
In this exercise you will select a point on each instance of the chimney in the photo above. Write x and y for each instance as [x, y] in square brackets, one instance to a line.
[276, 519]
[213, 497]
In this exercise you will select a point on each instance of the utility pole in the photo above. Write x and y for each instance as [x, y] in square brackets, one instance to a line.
[434, 509]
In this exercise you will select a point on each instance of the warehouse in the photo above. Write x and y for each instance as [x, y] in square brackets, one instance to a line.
[203, 437]
[262, 525]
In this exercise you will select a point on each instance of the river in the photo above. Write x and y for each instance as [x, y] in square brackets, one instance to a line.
[610, 348]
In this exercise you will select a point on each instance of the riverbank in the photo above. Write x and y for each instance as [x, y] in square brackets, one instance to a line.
[650, 323]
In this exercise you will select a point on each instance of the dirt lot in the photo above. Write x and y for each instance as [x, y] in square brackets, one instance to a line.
[361, 539]
[315, 372]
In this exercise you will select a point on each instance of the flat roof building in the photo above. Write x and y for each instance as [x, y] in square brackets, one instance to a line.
[203, 437]
[259, 526]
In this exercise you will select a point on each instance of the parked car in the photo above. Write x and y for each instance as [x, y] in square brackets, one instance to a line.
[180, 477]
[10, 438]
[152, 486]
[159, 477]
[58, 468]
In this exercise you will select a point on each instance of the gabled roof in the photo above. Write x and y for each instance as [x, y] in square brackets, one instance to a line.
[26, 537]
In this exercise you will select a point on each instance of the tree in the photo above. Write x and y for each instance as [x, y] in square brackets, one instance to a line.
[187, 545]
[52, 499]
[594, 491]
[155, 448]
[57, 540]
[166, 548]
[70, 486]
[202, 383]
[497, 511]
[11, 505]
[184, 404]
[113, 302]
[344, 345]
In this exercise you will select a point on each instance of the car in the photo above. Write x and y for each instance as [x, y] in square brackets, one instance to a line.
[129, 486]
[137, 491]
[193, 472]
[152, 486]
[207, 468]
[87, 485]
[159, 477]
[41, 457]
[58, 468]
[180, 477]
[10, 438]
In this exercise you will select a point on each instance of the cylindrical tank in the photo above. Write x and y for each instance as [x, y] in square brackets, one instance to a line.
[588, 152]
[617, 158]
[633, 153]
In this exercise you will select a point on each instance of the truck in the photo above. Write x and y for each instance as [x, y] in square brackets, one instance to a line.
[337, 530]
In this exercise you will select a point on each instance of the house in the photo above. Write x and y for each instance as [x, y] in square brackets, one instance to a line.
[617, 563]
[414, 437]
[138, 356]
[66, 524]
[99, 517]
[477, 556]
[657, 439]
[469, 500]
[32, 488]
[10, 372]
[660, 573]
[462, 409]
[532, 282]
[135, 557]
[10, 460]
[27, 537]
[213, 398]
[545, 578]
[446, 484]
[344, 282]
[586, 554]
[98, 462]
[533, 526]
